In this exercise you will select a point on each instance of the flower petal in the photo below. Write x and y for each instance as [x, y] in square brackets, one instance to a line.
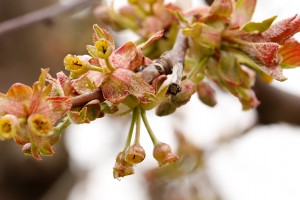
[19, 92]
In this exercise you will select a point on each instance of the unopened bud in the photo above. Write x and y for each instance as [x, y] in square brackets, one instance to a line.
[206, 94]
[165, 108]
[8, 126]
[187, 90]
[135, 154]
[163, 154]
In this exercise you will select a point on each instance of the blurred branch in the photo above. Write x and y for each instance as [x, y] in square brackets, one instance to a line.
[276, 105]
[43, 14]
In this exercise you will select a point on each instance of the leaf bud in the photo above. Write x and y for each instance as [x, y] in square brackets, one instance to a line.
[165, 108]
[135, 154]
[206, 94]
[9, 125]
[163, 154]
[187, 90]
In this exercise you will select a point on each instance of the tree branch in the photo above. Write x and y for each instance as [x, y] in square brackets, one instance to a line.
[85, 98]
[276, 105]
[43, 14]
[169, 62]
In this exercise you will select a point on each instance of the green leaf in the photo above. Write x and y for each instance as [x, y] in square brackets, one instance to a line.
[204, 35]
[259, 26]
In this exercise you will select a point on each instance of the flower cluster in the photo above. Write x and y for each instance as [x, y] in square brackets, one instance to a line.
[135, 154]
[225, 47]
[29, 114]
[145, 18]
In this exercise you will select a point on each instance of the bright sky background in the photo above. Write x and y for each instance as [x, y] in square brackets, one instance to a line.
[263, 165]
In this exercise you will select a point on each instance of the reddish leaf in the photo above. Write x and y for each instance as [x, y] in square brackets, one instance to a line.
[283, 30]
[275, 72]
[127, 56]
[290, 53]
[154, 37]
[59, 107]
[122, 83]
[266, 52]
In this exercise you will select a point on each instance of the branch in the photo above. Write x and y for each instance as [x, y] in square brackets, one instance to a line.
[169, 62]
[276, 105]
[42, 15]
[85, 98]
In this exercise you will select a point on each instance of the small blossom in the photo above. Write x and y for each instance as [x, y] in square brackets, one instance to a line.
[135, 154]
[77, 65]
[30, 115]
[163, 154]
[122, 168]
[40, 125]
[9, 125]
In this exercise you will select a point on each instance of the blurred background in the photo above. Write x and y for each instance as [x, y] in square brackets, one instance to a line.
[227, 153]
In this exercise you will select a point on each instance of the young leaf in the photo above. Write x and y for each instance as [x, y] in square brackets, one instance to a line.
[283, 30]
[242, 12]
[290, 53]
[259, 26]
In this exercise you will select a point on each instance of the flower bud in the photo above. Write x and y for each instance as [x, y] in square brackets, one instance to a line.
[8, 126]
[163, 154]
[187, 90]
[122, 168]
[40, 125]
[165, 108]
[77, 65]
[206, 94]
[135, 154]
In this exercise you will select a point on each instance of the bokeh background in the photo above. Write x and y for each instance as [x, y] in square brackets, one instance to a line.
[260, 163]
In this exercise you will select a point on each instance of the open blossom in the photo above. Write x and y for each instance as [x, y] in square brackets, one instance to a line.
[29, 114]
